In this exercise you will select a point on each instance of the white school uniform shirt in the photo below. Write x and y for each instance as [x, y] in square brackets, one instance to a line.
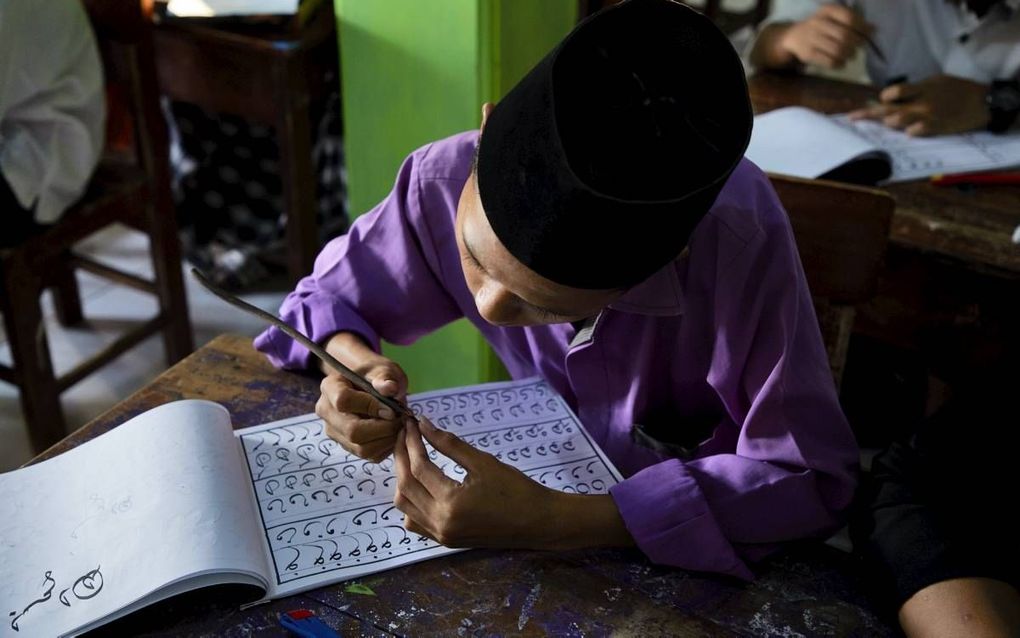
[52, 103]
[922, 38]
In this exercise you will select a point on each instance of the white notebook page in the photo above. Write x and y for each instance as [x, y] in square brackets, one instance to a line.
[125, 520]
[328, 516]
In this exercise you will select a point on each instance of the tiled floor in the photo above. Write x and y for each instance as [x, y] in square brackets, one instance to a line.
[108, 310]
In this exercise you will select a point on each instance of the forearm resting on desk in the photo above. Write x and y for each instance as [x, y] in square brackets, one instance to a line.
[496, 505]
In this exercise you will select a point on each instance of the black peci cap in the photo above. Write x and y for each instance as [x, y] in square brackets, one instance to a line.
[595, 168]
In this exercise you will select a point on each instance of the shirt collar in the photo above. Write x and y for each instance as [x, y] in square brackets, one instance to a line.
[661, 295]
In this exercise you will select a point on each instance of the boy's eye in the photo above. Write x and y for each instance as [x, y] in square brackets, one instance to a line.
[471, 260]
[546, 314]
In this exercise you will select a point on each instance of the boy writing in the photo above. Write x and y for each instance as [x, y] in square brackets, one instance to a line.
[604, 232]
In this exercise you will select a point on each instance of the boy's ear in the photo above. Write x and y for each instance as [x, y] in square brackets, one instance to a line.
[486, 110]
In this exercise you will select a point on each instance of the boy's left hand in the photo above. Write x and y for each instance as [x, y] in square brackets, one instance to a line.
[939, 105]
[495, 506]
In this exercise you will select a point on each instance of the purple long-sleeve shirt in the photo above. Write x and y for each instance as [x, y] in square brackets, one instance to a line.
[725, 335]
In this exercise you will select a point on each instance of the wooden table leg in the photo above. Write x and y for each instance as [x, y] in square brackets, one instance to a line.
[166, 262]
[66, 295]
[26, 332]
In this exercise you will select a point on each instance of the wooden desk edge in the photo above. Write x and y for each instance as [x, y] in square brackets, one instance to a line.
[978, 248]
[108, 414]
[311, 35]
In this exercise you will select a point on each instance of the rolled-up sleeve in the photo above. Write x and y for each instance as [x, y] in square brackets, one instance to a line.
[373, 279]
[792, 469]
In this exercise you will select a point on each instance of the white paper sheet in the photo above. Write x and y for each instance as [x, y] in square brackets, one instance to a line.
[125, 520]
[921, 157]
[804, 143]
[328, 516]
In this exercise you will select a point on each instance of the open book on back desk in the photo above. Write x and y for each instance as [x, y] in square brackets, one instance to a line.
[221, 8]
[175, 500]
[804, 143]
[248, 13]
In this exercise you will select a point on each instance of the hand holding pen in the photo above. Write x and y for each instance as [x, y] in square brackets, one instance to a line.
[937, 105]
[364, 402]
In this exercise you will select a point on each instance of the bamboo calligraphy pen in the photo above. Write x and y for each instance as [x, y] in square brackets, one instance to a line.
[359, 381]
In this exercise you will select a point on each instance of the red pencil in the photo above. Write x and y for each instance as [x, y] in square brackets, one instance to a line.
[1004, 177]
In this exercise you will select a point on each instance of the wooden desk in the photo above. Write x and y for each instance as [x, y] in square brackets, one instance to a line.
[481, 592]
[267, 78]
[973, 227]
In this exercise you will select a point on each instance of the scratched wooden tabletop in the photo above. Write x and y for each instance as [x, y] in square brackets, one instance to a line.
[812, 590]
[971, 226]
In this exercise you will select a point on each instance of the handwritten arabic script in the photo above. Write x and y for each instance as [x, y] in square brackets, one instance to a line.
[324, 509]
[84, 588]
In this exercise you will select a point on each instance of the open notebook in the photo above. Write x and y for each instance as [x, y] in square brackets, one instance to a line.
[175, 500]
[804, 143]
[241, 9]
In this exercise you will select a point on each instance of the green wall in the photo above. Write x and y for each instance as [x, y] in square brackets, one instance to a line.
[414, 71]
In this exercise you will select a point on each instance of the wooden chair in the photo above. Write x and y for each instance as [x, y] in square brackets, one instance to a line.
[134, 191]
[842, 233]
[272, 77]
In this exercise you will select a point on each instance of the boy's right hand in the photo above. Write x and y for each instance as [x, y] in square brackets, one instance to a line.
[357, 421]
[829, 38]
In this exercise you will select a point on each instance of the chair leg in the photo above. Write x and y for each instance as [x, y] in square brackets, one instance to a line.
[67, 296]
[26, 332]
[166, 261]
[846, 317]
[836, 322]
[294, 135]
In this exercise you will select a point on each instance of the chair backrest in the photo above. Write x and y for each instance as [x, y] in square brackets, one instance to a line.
[121, 20]
[135, 193]
[124, 35]
[842, 233]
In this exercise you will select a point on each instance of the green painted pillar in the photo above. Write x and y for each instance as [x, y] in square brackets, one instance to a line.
[414, 71]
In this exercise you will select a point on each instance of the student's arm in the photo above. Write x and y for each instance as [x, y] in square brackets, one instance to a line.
[973, 607]
[828, 38]
[381, 280]
[496, 505]
[791, 476]
[931, 530]
[912, 560]
[793, 470]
